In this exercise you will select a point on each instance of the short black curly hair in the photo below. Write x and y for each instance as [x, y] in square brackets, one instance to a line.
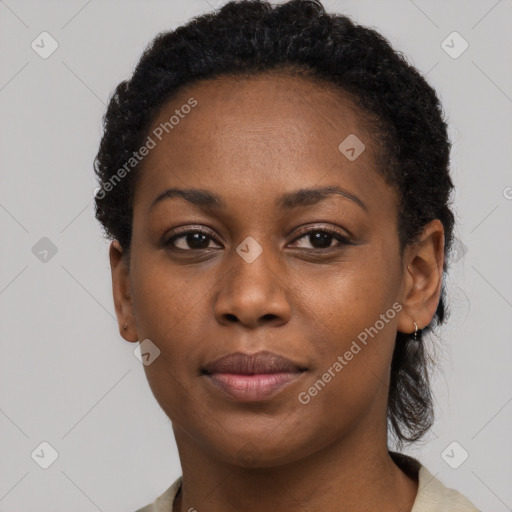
[299, 37]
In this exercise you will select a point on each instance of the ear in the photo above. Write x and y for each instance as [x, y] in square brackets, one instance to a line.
[121, 290]
[423, 278]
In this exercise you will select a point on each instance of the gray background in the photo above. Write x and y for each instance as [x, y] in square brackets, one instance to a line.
[68, 378]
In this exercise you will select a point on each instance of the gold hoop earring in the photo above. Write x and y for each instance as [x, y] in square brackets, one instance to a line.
[415, 335]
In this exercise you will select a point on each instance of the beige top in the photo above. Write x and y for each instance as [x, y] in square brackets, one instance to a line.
[433, 496]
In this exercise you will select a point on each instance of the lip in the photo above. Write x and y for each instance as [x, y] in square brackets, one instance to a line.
[251, 378]
[250, 364]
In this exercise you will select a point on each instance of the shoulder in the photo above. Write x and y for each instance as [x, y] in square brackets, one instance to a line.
[433, 495]
[165, 501]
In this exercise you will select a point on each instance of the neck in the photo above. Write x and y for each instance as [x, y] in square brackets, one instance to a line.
[353, 474]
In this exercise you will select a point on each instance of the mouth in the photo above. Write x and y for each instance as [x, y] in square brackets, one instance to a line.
[252, 378]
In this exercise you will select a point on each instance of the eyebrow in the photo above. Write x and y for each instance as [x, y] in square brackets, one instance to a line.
[299, 198]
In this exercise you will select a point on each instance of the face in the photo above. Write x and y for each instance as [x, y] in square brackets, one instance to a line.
[306, 276]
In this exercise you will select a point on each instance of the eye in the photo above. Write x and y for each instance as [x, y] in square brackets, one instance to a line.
[191, 239]
[321, 238]
[195, 239]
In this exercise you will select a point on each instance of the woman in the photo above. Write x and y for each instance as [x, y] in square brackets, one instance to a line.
[275, 183]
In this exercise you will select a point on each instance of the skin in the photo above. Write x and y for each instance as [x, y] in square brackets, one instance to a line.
[249, 141]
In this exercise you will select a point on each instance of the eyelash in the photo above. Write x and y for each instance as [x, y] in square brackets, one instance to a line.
[342, 239]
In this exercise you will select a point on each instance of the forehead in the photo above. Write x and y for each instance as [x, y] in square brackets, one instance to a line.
[260, 132]
[265, 104]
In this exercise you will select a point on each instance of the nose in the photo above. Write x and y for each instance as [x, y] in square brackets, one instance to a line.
[253, 294]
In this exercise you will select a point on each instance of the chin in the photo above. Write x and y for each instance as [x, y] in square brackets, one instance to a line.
[258, 454]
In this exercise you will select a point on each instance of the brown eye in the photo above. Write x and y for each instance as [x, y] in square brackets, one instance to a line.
[323, 238]
[190, 240]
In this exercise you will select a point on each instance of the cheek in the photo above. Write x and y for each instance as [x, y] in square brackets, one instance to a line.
[351, 317]
[351, 377]
[173, 309]
[164, 301]
[345, 299]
